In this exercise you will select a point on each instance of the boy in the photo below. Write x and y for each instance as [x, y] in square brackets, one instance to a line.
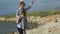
[21, 17]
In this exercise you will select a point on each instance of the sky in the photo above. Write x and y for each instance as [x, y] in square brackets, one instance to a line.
[10, 6]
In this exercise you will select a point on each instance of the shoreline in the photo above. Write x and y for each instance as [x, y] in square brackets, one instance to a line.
[2, 19]
[32, 18]
[30, 15]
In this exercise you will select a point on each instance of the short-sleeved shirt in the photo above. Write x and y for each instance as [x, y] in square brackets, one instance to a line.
[23, 23]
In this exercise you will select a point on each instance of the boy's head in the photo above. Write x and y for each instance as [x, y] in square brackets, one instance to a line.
[21, 4]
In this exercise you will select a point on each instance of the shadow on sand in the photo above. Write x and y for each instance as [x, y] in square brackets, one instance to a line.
[32, 25]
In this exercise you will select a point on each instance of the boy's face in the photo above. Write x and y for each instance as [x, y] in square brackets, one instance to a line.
[22, 6]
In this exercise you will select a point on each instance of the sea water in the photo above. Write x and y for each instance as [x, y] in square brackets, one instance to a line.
[7, 27]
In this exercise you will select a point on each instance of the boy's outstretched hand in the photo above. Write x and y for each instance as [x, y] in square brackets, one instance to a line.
[33, 1]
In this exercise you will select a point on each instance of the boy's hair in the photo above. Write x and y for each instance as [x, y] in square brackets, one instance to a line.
[22, 3]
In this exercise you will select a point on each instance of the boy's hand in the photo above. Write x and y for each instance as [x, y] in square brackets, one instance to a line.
[21, 15]
[19, 19]
[33, 1]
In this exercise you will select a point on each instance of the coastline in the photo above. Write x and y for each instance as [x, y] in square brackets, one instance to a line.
[13, 19]
[7, 19]
[40, 25]
[30, 15]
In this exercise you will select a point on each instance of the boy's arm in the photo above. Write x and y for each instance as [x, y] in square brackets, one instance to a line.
[30, 5]
[18, 20]
[18, 17]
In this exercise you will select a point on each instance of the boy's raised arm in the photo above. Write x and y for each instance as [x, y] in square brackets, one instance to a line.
[30, 5]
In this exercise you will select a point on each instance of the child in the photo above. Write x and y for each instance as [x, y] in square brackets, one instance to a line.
[21, 17]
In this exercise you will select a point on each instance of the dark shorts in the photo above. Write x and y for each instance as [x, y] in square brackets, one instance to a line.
[20, 30]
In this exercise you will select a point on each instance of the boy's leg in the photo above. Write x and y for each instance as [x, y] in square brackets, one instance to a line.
[20, 30]
[24, 31]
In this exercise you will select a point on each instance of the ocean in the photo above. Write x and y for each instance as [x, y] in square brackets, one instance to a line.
[7, 27]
